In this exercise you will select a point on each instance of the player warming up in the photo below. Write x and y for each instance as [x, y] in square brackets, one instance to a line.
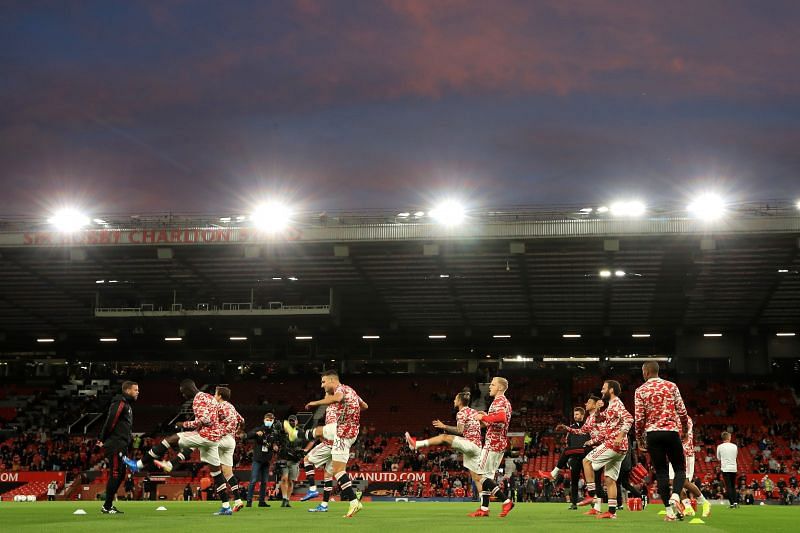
[205, 438]
[343, 433]
[116, 437]
[465, 436]
[615, 422]
[320, 456]
[231, 422]
[660, 420]
[496, 421]
[579, 433]
[690, 488]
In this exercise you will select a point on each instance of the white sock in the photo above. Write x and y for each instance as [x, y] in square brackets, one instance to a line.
[421, 444]
[312, 488]
[226, 504]
[508, 500]
[687, 502]
[555, 471]
[701, 499]
[597, 504]
[238, 501]
[670, 512]
[139, 463]
[324, 504]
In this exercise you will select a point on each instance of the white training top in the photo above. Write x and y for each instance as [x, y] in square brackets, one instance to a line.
[726, 453]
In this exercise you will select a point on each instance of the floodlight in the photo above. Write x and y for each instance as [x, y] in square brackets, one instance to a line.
[627, 209]
[272, 217]
[68, 220]
[571, 335]
[449, 213]
[605, 273]
[619, 273]
[707, 206]
[570, 359]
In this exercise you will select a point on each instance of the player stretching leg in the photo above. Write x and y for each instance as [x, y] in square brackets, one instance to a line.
[343, 433]
[496, 422]
[205, 438]
[318, 456]
[690, 488]
[465, 436]
[615, 421]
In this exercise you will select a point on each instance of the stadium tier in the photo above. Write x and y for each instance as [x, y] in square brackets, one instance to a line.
[409, 315]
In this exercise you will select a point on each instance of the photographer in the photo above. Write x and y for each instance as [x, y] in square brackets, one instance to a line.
[266, 443]
[290, 454]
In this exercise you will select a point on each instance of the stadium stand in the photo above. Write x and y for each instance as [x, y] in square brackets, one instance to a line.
[763, 417]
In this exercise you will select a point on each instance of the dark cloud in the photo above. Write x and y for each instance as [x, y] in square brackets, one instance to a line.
[184, 104]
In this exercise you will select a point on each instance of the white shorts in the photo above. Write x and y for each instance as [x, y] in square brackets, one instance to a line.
[226, 445]
[340, 451]
[488, 462]
[689, 469]
[209, 450]
[320, 455]
[602, 457]
[470, 451]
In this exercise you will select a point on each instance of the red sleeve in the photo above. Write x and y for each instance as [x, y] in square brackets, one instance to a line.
[498, 416]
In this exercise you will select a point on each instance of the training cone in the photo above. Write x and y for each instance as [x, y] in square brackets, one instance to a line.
[162, 508]
[79, 511]
[696, 521]
[662, 513]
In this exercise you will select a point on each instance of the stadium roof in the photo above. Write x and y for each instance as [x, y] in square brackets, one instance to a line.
[534, 274]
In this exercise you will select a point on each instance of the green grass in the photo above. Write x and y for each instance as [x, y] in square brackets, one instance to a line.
[142, 517]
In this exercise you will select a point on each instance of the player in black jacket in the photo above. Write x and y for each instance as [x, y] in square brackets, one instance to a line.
[573, 455]
[115, 438]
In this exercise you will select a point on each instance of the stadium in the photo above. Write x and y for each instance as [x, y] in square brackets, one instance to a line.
[409, 308]
[402, 265]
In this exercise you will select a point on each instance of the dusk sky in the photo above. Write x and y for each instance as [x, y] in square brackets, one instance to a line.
[202, 106]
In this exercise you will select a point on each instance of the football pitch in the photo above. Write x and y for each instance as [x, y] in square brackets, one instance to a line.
[376, 517]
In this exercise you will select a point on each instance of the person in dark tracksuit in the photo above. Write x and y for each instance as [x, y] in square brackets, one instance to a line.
[115, 438]
[575, 451]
